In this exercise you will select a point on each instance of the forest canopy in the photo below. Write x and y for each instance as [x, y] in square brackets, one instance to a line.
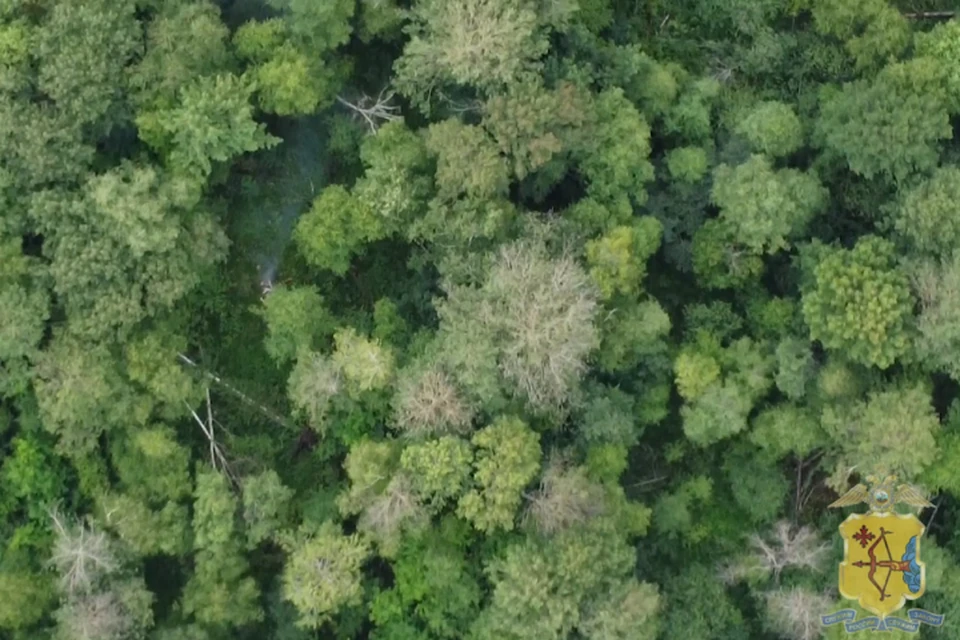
[470, 319]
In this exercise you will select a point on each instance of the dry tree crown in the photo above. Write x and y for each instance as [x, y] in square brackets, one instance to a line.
[430, 403]
[786, 546]
[564, 498]
[795, 613]
[81, 555]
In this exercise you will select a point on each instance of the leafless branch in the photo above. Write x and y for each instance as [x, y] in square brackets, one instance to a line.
[80, 554]
[564, 498]
[217, 457]
[458, 107]
[375, 111]
[272, 415]
[795, 613]
[805, 486]
[643, 483]
[936, 15]
[789, 547]
[786, 546]
[936, 507]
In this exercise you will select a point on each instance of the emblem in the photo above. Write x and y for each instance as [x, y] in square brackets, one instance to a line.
[881, 567]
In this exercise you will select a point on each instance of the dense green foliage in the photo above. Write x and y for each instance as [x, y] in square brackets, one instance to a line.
[469, 319]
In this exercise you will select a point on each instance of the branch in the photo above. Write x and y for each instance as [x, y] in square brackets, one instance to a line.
[460, 107]
[375, 114]
[936, 507]
[272, 415]
[936, 15]
[216, 452]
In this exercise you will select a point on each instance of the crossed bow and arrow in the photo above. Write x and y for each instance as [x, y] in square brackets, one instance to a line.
[890, 564]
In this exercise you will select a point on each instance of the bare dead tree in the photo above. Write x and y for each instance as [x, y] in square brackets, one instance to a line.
[430, 403]
[375, 111]
[81, 555]
[795, 613]
[96, 616]
[785, 547]
[565, 497]
[397, 506]
[789, 546]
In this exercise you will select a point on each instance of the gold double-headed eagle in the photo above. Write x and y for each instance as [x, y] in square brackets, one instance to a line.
[882, 495]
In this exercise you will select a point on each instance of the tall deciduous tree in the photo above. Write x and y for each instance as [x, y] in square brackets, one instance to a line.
[211, 123]
[322, 573]
[868, 435]
[507, 459]
[82, 50]
[891, 126]
[764, 207]
[219, 593]
[860, 303]
[486, 44]
[533, 320]
[336, 229]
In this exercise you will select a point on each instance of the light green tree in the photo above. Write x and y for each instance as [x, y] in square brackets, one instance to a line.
[631, 609]
[687, 164]
[937, 286]
[25, 597]
[322, 573]
[860, 303]
[439, 469]
[335, 229]
[720, 260]
[507, 458]
[469, 165]
[148, 531]
[296, 319]
[617, 260]
[631, 335]
[547, 589]
[927, 214]
[220, 592]
[81, 393]
[787, 429]
[365, 364]
[132, 243]
[266, 504]
[82, 50]
[868, 435]
[873, 31]
[720, 412]
[533, 125]
[487, 44]
[615, 156]
[212, 123]
[313, 384]
[151, 464]
[772, 128]
[795, 367]
[763, 207]
[888, 127]
[184, 41]
[399, 176]
[942, 43]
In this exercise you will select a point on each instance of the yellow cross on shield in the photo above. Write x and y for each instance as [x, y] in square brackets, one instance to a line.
[881, 566]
